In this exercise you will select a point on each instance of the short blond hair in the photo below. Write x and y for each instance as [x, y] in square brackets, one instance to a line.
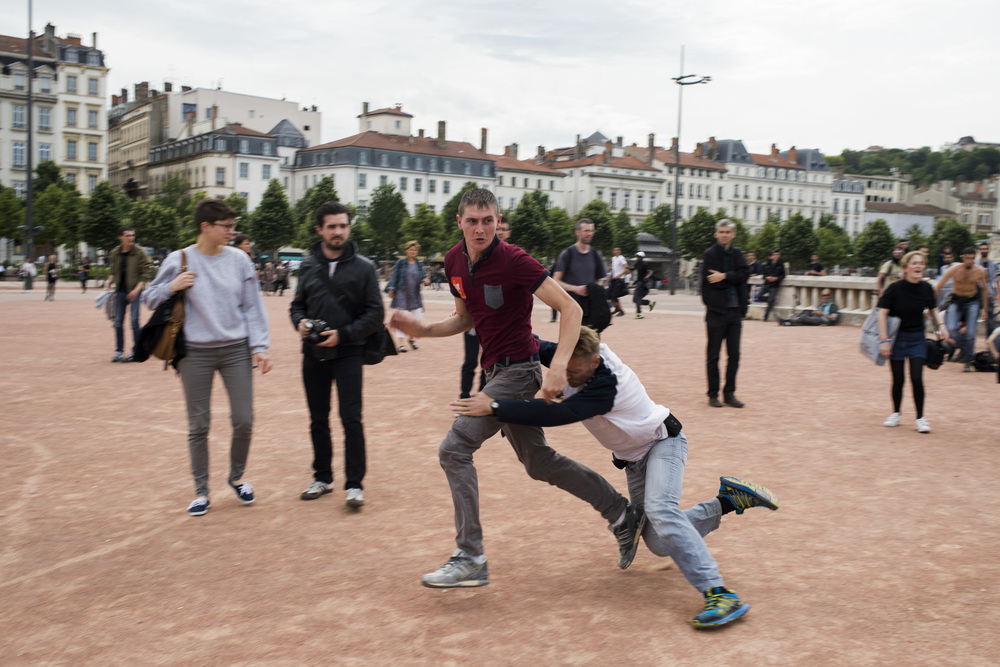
[908, 257]
[588, 344]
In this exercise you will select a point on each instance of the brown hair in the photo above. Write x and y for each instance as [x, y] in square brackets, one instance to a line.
[479, 198]
[212, 210]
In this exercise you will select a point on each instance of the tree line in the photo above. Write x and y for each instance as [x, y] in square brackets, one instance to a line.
[923, 165]
[165, 222]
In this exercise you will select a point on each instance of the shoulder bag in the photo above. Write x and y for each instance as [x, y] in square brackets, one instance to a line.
[163, 334]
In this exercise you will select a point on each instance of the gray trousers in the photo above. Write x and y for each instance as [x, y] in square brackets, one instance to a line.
[197, 371]
[541, 462]
[657, 481]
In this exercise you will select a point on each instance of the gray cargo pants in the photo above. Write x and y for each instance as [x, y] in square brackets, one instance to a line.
[467, 434]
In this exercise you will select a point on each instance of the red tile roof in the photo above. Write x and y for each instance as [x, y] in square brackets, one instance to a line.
[237, 128]
[687, 160]
[768, 160]
[396, 142]
[627, 162]
[395, 111]
[897, 207]
[511, 164]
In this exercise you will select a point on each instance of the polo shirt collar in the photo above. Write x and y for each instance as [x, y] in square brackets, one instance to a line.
[486, 253]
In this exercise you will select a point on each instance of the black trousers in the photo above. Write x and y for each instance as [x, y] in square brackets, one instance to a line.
[728, 327]
[469, 365]
[770, 291]
[318, 378]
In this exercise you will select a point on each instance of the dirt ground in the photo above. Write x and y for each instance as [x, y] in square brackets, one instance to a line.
[884, 549]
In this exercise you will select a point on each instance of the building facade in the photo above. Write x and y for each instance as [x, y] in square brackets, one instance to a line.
[516, 178]
[848, 210]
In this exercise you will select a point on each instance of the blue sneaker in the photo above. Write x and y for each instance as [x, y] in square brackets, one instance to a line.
[198, 506]
[743, 494]
[722, 606]
[244, 492]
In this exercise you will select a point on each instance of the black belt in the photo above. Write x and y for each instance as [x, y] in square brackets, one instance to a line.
[673, 428]
[507, 361]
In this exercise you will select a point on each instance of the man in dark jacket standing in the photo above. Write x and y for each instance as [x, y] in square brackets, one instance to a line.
[774, 273]
[338, 287]
[724, 276]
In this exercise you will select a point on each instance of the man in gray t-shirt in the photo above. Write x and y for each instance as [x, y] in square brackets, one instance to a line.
[579, 265]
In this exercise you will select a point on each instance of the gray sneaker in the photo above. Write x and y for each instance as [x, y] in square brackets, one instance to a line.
[315, 490]
[459, 572]
[628, 533]
[355, 497]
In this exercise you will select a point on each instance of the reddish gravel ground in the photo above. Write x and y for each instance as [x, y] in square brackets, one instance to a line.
[884, 549]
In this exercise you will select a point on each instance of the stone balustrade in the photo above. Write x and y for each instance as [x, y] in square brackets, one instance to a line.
[855, 296]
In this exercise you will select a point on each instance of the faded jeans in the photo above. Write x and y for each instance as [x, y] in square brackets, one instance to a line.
[197, 370]
[656, 481]
[966, 342]
[121, 303]
[541, 462]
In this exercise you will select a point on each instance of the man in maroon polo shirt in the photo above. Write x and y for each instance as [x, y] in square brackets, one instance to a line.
[494, 285]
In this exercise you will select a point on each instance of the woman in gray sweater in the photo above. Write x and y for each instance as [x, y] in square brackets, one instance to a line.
[225, 330]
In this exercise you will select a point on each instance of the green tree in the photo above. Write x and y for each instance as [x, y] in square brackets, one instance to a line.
[833, 245]
[697, 234]
[743, 238]
[47, 173]
[915, 236]
[560, 228]
[424, 226]
[597, 211]
[46, 213]
[156, 224]
[874, 245]
[797, 241]
[449, 215]
[528, 228]
[102, 217]
[626, 235]
[659, 223]
[386, 215]
[237, 203]
[11, 214]
[305, 210]
[950, 232]
[765, 240]
[272, 225]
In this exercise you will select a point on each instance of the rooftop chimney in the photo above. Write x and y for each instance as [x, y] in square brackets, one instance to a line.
[774, 150]
[540, 158]
[651, 148]
[441, 135]
[93, 39]
[511, 151]
[673, 147]
[364, 108]
[712, 148]
[168, 87]
[185, 89]
[420, 133]
[124, 96]
[793, 155]
[482, 141]
[141, 91]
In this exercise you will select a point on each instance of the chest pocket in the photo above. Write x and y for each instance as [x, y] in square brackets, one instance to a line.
[493, 295]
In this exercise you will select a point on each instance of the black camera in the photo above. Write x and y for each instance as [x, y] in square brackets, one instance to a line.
[315, 328]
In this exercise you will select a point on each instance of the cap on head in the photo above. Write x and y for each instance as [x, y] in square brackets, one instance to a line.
[640, 254]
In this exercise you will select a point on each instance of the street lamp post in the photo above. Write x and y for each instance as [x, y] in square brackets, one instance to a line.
[681, 80]
[29, 227]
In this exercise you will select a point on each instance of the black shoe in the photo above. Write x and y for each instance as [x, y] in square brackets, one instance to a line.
[714, 402]
[628, 533]
[413, 344]
[733, 402]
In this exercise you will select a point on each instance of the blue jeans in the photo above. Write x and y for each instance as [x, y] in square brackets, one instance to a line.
[121, 303]
[966, 343]
[656, 481]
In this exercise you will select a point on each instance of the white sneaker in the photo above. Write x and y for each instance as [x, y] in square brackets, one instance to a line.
[355, 497]
[891, 420]
[923, 426]
[315, 490]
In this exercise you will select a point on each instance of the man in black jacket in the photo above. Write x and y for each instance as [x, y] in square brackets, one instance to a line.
[337, 287]
[774, 273]
[724, 276]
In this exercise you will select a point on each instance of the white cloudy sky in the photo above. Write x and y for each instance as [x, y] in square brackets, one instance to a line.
[828, 75]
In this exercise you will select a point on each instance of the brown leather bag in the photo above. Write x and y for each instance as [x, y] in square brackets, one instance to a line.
[163, 336]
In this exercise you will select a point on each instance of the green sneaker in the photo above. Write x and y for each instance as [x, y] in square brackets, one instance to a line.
[743, 494]
[722, 606]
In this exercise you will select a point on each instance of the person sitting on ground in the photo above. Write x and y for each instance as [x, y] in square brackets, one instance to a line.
[824, 314]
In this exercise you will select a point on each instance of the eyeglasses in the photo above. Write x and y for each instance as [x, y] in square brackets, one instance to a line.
[231, 226]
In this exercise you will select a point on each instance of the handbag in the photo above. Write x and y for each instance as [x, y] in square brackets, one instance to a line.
[870, 337]
[935, 353]
[163, 334]
[378, 346]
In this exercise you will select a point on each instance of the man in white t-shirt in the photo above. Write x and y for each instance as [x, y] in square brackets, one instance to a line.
[618, 286]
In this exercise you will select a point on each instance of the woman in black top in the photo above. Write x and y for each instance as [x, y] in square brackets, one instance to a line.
[907, 299]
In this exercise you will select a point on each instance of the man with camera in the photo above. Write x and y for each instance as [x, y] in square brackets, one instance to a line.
[337, 306]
